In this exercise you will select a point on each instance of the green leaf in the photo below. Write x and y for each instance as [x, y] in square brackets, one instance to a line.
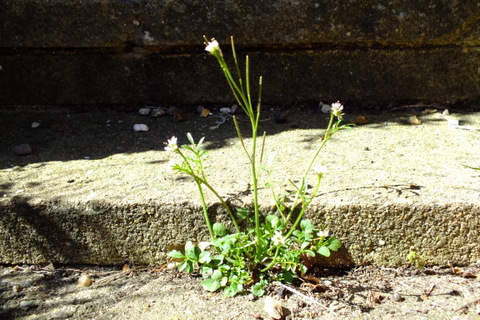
[258, 289]
[233, 289]
[176, 254]
[217, 275]
[224, 281]
[192, 252]
[272, 220]
[324, 251]
[186, 266]
[335, 244]
[306, 225]
[219, 229]
[310, 253]
[190, 138]
[205, 257]
[243, 213]
[211, 285]
[304, 245]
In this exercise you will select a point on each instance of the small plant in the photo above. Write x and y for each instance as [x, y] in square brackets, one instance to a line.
[260, 248]
[416, 260]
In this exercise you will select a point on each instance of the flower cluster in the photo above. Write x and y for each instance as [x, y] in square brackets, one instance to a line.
[213, 47]
[337, 109]
[171, 144]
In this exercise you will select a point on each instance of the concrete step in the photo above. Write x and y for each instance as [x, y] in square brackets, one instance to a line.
[95, 192]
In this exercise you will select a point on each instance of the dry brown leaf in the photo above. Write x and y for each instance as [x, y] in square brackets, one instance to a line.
[374, 297]
[179, 115]
[45, 266]
[205, 113]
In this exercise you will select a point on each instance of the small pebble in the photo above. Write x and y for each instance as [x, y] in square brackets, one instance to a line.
[35, 125]
[328, 283]
[414, 120]
[359, 120]
[225, 110]
[84, 281]
[144, 111]
[158, 113]
[27, 304]
[397, 297]
[140, 127]
[22, 149]
[325, 107]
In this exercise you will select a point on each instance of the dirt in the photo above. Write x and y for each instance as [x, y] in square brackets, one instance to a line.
[48, 292]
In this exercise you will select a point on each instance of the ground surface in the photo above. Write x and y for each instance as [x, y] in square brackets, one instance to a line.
[46, 292]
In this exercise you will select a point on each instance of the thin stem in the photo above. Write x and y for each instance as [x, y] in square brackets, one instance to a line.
[240, 136]
[328, 135]
[304, 207]
[198, 180]
[273, 262]
[205, 211]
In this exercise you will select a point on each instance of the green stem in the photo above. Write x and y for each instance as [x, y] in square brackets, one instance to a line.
[304, 207]
[273, 262]
[199, 181]
[205, 211]
[328, 135]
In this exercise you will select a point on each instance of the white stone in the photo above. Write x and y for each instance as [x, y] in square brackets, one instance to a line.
[325, 107]
[144, 111]
[140, 127]
[225, 110]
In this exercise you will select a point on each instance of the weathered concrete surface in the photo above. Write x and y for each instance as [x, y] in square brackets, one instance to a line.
[95, 192]
[137, 52]
[171, 23]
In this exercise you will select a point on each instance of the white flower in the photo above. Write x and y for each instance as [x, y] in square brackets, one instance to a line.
[337, 109]
[213, 47]
[320, 170]
[171, 144]
[323, 233]
[278, 238]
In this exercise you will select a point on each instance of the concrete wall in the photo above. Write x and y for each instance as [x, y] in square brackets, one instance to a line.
[138, 52]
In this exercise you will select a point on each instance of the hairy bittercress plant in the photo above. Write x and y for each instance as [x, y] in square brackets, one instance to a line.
[259, 249]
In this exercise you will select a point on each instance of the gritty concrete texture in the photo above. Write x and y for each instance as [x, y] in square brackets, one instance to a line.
[143, 52]
[93, 191]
